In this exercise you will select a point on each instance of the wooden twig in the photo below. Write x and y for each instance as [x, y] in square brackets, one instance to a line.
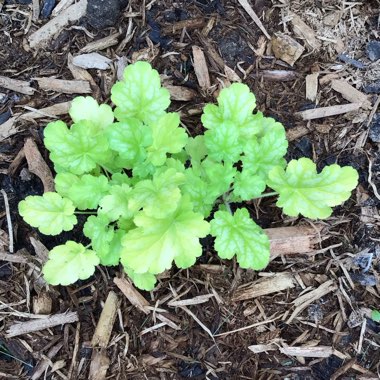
[9, 220]
[321, 112]
[16, 85]
[200, 67]
[64, 86]
[253, 15]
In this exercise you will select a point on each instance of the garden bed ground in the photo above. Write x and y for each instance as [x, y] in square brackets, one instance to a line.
[307, 316]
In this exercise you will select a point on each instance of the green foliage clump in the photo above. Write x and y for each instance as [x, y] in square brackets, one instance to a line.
[154, 191]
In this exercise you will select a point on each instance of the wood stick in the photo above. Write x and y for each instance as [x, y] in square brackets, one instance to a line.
[328, 111]
[251, 12]
[41, 324]
[64, 86]
[16, 85]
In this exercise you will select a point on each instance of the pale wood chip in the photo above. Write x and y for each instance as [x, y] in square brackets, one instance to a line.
[41, 324]
[215, 59]
[44, 363]
[181, 93]
[286, 48]
[99, 365]
[264, 286]
[258, 348]
[276, 75]
[9, 128]
[106, 321]
[53, 111]
[35, 10]
[292, 240]
[195, 23]
[302, 30]
[322, 112]
[305, 300]
[13, 258]
[101, 44]
[47, 32]
[253, 15]
[296, 132]
[42, 303]
[231, 75]
[41, 251]
[308, 352]
[92, 61]
[133, 296]
[64, 86]
[350, 93]
[192, 301]
[200, 68]
[37, 165]
[312, 86]
[16, 85]
[168, 322]
[61, 6]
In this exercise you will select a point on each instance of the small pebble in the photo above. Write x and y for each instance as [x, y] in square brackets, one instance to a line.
[103, 13]
[373, 50]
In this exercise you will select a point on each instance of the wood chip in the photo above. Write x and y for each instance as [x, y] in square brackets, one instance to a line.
[41, 324]
[61, 6]
[286, 48]
[64, 86]
[13, 258]
[181, 93]
[16, 85]
[92, 61]
[258, 348]
[276, 75]
[101, 44]
[47, 32]
[350, 93]
[43, 364]
[305, 300]
[192, 301]
[99, 365]
[106, 321]
[297, 132]
[9, 128]
[308, 352]
[42, 303]
[200, 67]
[302, 30]
[264, 286]
[133, 296]
[322, 112]
[253, 15]
[292, 240]
[312, 86]
[53, 111]
[195, 23]
[37, 165]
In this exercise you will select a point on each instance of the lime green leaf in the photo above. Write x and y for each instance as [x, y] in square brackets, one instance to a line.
[239, 234]
[64, 182]
[88, 191]
[375, 315]
[198, 191]
[87, 108]
[129, 138]
[50, 213]
[144, 281]
[115, 204]
[175, 164]
[303, 191]
[109, 251]
[159, 196]
[219, 176]
[140, 95]
[196, 148]
[235, 104]
[155, 243]
[69, 263]
[168, 137]
[77, 150]
[223, 142]
[101, 234]
[143, 170]
[267, 151]
[120, 179]
[248, 186]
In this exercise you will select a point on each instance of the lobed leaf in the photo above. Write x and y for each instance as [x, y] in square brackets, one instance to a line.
[304, 191]
[115, 204]
[50, 213]
[239, 235]
[69, 263]
[144, 281]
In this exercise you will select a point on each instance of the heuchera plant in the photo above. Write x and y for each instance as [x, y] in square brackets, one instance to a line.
[153, 191]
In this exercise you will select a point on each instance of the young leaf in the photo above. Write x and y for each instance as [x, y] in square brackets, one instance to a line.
[168, 137]
[88, 191]
[63, 183]
[109, 253]
[303, 191]
[130, 138]
[235, 104]
[144, 281]
[87, 108]
[223, 142]
[69, 263]
[140, 95]
[101, 234]
[159, 196]
[263, 153]
[77, 150]
[375, 315]
[239, 234]
[155, 243]
[196, 148]
[248, 186]
[50, 213]
[115, 204]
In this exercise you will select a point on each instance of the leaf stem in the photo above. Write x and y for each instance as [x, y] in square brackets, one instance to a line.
[85, 212]
[271, 194]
